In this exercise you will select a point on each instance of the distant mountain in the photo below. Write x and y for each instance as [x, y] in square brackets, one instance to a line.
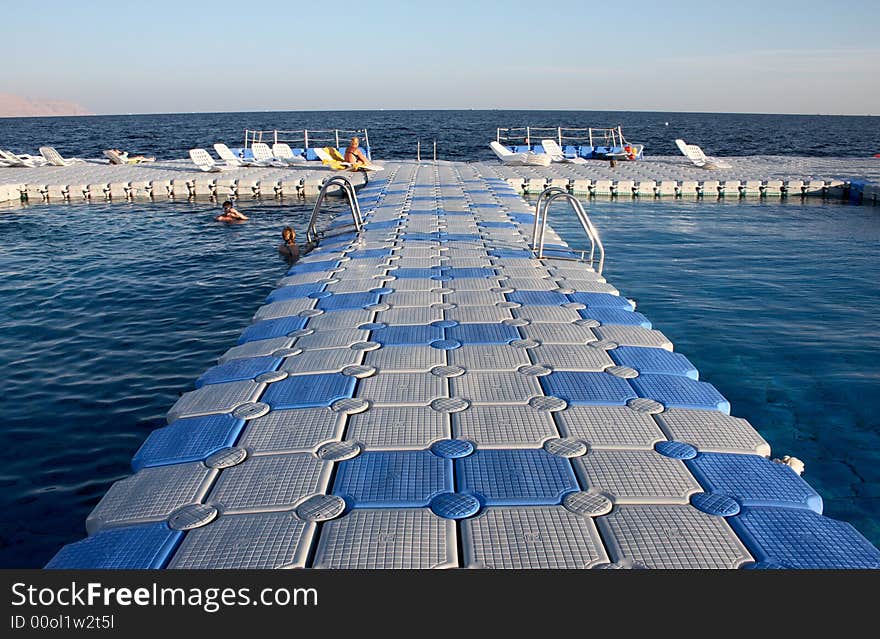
[12, 106]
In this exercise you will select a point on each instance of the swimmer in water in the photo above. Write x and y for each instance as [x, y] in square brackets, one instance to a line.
[230, 214]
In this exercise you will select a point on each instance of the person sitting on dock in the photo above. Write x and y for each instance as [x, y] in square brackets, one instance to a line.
[230, 214]
[354, 156]
[118, 156]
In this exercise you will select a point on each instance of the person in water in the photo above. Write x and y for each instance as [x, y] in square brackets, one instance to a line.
[230, 214]
[354, 155]
[288, 249]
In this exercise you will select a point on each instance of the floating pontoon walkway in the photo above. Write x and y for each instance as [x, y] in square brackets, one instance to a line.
[428, 394]
[858, 179]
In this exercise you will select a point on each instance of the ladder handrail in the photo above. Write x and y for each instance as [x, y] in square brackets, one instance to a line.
[354, 205]
[554, 193]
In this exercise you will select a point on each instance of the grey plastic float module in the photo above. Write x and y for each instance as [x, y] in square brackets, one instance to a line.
[712, 431]
[215, 398]
[269, 482]
[259, 541]
[389, 538]
[292, 431]
[151, 494]
[393, 427]
[636, 476]
[609, 427]
[504, 426]
[671, 537]
[531, 537]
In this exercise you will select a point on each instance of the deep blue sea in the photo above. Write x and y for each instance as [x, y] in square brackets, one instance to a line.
[460, 135]
[109, 312]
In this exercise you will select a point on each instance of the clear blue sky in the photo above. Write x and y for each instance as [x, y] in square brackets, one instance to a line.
[161, 56]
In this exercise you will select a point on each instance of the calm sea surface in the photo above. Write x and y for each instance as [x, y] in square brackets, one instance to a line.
[109, 312]
[460, 135]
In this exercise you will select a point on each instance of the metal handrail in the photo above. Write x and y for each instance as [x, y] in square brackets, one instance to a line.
[541, 215]
[354, 205]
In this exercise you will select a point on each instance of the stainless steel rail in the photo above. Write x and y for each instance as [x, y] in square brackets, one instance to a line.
[312, 234]
[542, 209]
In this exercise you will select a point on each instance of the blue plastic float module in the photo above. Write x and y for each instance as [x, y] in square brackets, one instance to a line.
[399, 479]
[674, 391]
[238, 370]
[800, 538]
[313, 267]
[407, 335]
[602, 300]
[188, 439]
[457, 273]
[654, 360]
[753, 481]
[309, 391]
[598, 389]
[294, 292]
[348, 301]
[515, 477]
[537, 298]
[132, 547]
[617, 316]
[267, 329]
[368, 253]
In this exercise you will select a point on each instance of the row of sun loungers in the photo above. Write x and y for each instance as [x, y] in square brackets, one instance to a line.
[48, 156]
[280, 155]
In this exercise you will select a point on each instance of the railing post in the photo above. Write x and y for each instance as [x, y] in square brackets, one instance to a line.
[306, 137]
[418, 150]
[337, 137]
[435, 150]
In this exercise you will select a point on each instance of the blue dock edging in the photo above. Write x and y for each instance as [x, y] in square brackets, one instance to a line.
[430, 386]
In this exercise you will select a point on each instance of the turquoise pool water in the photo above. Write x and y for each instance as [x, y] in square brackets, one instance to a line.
[778, 305]
[107, 313]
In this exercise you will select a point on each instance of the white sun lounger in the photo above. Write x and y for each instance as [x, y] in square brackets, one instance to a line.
[263, 154]
[7, 158]
[232, 160]
[54, 158]
[552, 148]
[521, 159]
[695, 154]
[282, 152]
[204, 161]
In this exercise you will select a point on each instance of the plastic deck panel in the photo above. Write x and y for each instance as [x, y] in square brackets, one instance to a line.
[215, 398]
[306, 391]
[680, 392]
[798, 538]
[402, 388]
[602, 300]
[236, 370]
[754, 481]
[495, 387]
[636, 476]
[671, 537]
[711, 431]
[129, 548]
[347, 301]
[483, 333]
[297, 291]
[228, 543]
[617, 427]
[547, 333]
[475, 357]
[186, 440]
[399, 479]
[405, 358]
[599, 389]
[571, 357]
[389, 538]
[398, 427]
[328, 360]
[292, 431]
[504, 426]
[410, 335]
[269, 482]
[533, 537]
[615, 316]
[327, 339]
[537, 298]
[654, 360]
[515, 477]
[151, 494]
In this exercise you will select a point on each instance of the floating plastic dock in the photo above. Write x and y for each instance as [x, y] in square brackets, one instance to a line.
[428, 394]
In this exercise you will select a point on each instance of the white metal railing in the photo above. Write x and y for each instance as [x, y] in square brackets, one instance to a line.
[312, 234]
[305, 138]
[514, 136]
[542, 210]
